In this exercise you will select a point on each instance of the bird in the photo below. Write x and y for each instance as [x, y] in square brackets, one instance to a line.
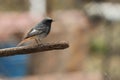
[39, 31]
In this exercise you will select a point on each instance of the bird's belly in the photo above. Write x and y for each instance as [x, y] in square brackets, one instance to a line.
[42, 35]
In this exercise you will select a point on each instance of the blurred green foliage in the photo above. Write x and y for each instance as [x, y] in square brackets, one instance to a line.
[14, 5]
[98, 46]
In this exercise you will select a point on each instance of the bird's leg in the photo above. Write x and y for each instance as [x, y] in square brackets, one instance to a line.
[37, 41]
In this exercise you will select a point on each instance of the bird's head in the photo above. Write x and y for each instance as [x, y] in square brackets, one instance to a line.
[47, 20]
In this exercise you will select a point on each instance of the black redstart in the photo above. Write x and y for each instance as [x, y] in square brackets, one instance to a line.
[38, 32]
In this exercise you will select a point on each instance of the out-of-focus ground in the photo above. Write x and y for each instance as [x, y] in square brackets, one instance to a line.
[68, 76]
[90, 27]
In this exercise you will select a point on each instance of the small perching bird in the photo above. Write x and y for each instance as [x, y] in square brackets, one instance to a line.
[38, 32]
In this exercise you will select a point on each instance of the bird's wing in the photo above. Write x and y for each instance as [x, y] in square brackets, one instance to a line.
[34, 32]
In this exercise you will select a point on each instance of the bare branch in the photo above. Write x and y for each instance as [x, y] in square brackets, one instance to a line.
[32, 49]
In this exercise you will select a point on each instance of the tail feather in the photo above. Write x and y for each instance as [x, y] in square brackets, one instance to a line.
[21, 43]
[26, 41]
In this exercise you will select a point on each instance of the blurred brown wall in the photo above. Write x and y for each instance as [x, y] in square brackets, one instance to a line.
[73, 27]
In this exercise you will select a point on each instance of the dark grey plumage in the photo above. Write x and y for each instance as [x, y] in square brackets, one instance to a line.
[41, 30]
[38, 32]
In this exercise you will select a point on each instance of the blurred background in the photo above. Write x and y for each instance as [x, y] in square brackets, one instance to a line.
[90, 26]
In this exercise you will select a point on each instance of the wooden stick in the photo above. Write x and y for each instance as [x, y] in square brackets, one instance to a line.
[32, 49]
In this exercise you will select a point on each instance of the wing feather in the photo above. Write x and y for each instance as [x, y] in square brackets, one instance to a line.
[34, 32]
